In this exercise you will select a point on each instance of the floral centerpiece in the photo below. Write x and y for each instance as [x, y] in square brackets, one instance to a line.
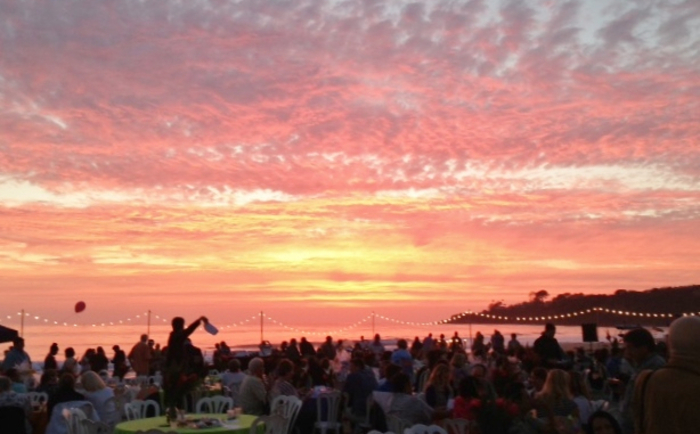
[493, 415]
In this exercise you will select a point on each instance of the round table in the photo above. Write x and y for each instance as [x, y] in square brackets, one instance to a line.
[240, 426]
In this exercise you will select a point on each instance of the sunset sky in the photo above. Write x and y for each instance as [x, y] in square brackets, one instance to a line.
[302, 157]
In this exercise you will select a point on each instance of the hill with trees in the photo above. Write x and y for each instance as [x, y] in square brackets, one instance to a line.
[653, 307]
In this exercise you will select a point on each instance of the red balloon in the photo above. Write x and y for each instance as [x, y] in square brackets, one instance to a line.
[79, 306]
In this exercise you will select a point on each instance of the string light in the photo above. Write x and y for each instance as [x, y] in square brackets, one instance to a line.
[452, 318]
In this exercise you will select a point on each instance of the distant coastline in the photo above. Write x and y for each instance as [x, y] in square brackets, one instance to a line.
[656, 307]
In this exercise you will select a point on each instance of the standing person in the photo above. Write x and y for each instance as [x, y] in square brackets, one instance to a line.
[498, 342]
[514, 345]
[377, 347]
[640, 350]
[479, 348]
[306, 349]
[99, 361]
[179, 335]
[292, 351]
[416, 348]
[428, 343]
[86, 360]
[547, 347]
[119, 362]
[140, 356]
[50, 360]
[456, 342]
[667, 400]
[328, 349]
[17, 356]
[70, 364]
[403, 358]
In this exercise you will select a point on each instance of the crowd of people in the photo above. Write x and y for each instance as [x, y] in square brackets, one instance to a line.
[636, 385]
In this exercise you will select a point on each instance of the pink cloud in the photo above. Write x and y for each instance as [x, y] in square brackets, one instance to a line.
[455, 144]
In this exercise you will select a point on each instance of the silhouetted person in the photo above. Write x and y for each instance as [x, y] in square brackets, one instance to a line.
[548, 348]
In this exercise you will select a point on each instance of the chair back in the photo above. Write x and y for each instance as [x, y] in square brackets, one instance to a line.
[13, 419]
[458, 426]
[189, 401]
[215, 404]
[288, 407]
[138, 409]
[73, 417]
[156, 380]
[327, 409]
[425, 429]
[58, 423]
[396, 424]
[38, 399]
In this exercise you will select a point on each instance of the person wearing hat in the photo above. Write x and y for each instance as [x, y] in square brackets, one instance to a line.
[667, 400]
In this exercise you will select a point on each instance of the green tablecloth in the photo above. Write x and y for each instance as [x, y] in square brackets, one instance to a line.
[240, 426]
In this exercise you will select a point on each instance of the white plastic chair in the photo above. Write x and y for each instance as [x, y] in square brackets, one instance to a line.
[360, 422]
[73, 416]
[458, 426]
[215, 404]
[38, 399]
[327, 409]
[425, 429]
[58, 423]
[138, 409]
[155, 380]
[78, 423]
[288, 407]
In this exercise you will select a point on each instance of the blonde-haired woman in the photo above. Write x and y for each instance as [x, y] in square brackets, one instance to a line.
[437, 389]
[555, 403]
[101, 397]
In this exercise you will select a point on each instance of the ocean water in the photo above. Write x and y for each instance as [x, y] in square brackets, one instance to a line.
[247, 337]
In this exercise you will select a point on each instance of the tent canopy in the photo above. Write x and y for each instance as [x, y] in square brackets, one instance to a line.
[7, 334]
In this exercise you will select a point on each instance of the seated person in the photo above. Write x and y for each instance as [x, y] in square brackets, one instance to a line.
[283, 385]
[252, 396]
[18, 385]
[407, 406]
[438, 390]
[9, 398]
[65, 392]
[233, 377]
[467, 399]
[101, 397]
